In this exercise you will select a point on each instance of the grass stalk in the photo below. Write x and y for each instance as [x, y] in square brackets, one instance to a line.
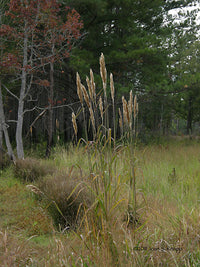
[112, 88]
[103, 73]
[74, 125]
[80, 95]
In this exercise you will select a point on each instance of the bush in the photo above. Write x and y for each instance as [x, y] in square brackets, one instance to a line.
[4, 159]
[31, 170]
[66, 199]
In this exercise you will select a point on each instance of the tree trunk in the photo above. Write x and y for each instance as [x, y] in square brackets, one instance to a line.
[1, 127]
[1, 133]
[189, 117]
[50, 112]
[19, 140]
[5, 130]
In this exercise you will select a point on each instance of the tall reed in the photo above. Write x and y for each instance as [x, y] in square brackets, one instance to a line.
[130, 113]
[74, 125]
[103, 73]
[112, 88]
[103, 151]
[80, 95]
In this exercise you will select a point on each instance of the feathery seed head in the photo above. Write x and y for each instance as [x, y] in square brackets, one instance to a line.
[34, 189]
[112, 88]
[125, 110]
[130, 106]
[78, 84]
[92, 83]
[89, 87]
[101, 107]
[74, 123]
[103, 72]
[92, 117]
[85, 94]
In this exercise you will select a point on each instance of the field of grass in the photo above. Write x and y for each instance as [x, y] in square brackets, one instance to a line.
[79, 209]
[103, 202]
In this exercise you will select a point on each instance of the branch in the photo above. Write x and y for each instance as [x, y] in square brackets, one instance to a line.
[29, 110]
[12, 121]
[55, 107]
[29, 86]
[40, 115]
[43, 112]
[67, 105]
[10, 92]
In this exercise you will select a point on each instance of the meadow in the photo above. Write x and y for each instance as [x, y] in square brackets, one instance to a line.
[79, 208]
[109, 201]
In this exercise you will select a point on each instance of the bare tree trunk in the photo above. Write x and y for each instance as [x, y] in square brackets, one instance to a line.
[50, 112]
[189, 117]
[19, 140]
[1, 133]
[1, 127]
[5, 130]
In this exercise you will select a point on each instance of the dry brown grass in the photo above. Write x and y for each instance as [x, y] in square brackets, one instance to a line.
[31, 169]
[66, 196]
[166, 234]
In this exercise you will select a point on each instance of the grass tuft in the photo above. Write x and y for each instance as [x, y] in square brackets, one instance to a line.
[5, 161]
[30, 169]
[66, 197]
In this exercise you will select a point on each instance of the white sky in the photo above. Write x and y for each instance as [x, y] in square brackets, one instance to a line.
[174, 12]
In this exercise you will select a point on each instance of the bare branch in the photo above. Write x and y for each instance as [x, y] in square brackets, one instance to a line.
[29, 86]
[29, 110]
[32, 124]
[12, 121]
[10, 92]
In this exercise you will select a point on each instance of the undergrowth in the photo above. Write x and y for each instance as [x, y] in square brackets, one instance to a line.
[168, 213]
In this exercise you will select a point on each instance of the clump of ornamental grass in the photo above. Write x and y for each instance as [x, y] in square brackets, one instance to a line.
[66, 197]
[103, 138]
[31, 169]
[114, 201]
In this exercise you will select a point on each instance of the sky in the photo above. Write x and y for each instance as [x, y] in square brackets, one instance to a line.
[174, 12]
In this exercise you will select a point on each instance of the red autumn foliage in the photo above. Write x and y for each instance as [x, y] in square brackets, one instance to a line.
[9, 61]
[59, 35]
[44, 83]
[5, 30]
[41, 22]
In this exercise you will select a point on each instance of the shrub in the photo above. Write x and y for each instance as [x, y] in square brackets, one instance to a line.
[4, 159]
[30, 169]
[67, 198]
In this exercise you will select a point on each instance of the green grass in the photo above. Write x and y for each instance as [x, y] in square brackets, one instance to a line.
[182, 185]
[168, 198]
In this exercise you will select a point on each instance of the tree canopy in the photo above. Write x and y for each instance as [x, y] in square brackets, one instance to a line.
[44, 44]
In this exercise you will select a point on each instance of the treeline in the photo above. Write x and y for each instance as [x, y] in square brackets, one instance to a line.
[43, 45]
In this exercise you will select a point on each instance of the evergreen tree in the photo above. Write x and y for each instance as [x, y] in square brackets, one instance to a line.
[130, 34]
[137, 39]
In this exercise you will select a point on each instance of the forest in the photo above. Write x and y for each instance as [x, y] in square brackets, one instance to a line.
[99, 132]
[148, 50]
